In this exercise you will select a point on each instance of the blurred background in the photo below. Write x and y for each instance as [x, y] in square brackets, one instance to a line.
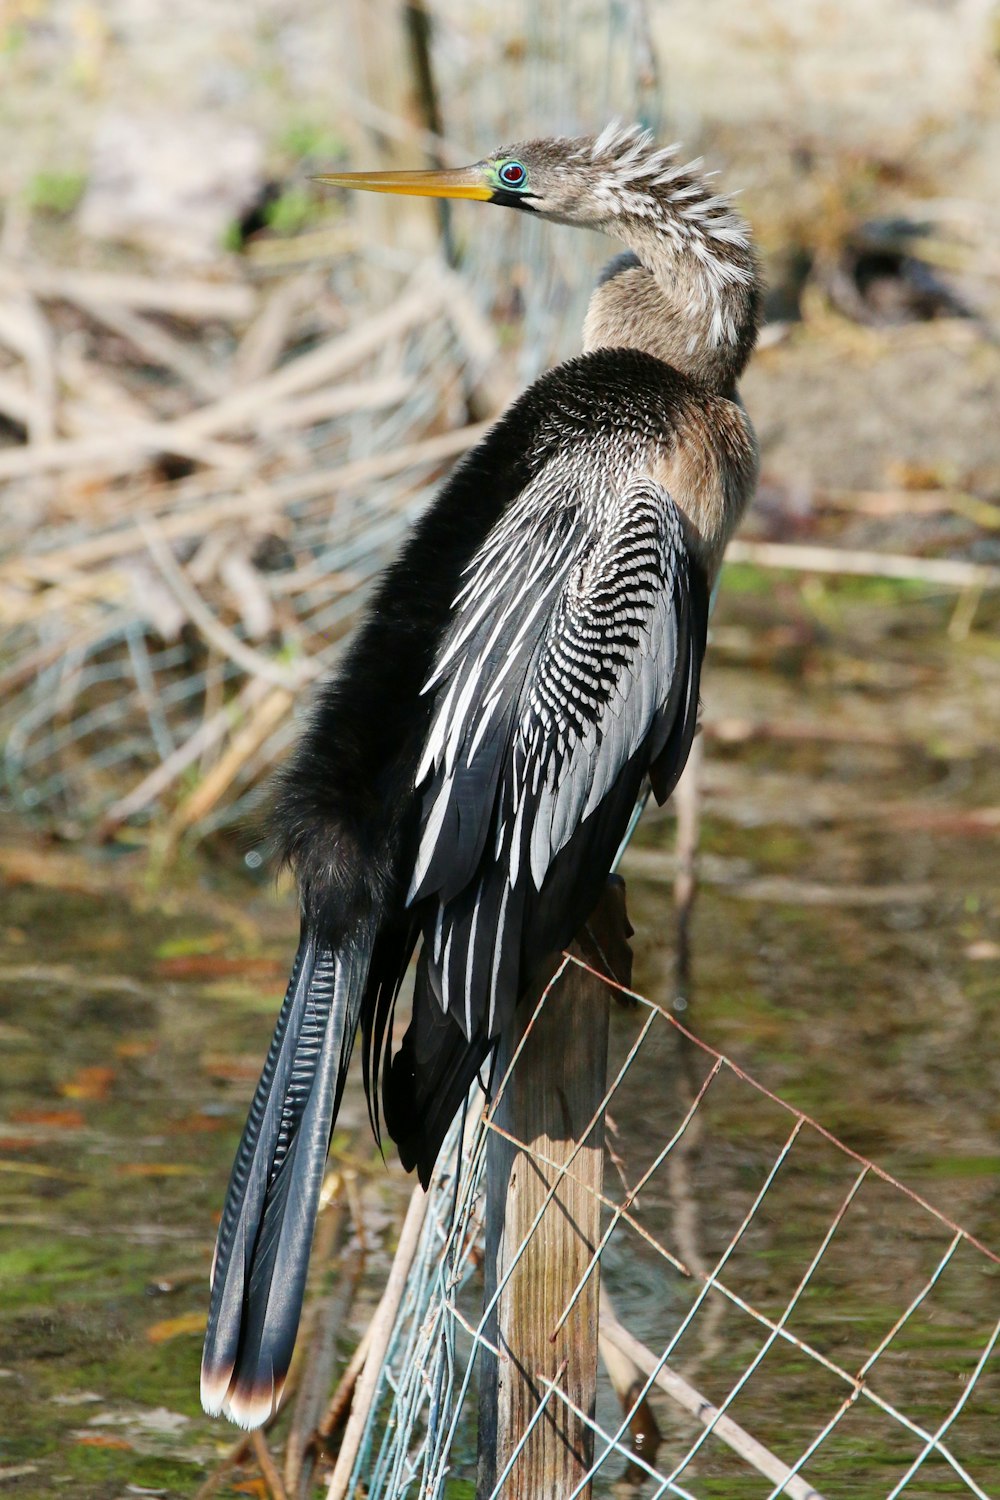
[225, 393]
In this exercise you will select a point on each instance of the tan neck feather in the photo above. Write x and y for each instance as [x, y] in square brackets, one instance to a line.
[634, 310]
[694, 309]
[709, 461]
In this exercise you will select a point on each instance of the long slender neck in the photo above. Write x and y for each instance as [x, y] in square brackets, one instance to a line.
[690, 304]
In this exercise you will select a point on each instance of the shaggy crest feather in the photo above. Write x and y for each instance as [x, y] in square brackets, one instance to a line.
[635, 167]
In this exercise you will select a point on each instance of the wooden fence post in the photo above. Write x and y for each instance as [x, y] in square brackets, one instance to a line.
[380, 38]
[554, 1091]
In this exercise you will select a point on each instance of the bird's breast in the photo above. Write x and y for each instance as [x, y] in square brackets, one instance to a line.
[709, 467]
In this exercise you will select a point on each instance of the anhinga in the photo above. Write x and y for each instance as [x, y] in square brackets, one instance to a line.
[532, 656]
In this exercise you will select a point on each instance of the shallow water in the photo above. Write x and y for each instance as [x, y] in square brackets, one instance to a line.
[846, 954]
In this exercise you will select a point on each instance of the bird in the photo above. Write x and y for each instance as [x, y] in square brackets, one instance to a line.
[527, 665]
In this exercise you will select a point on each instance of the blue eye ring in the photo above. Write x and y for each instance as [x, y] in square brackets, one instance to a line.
[512, 174]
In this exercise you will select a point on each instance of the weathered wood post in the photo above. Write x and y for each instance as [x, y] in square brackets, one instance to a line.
[553, 1093]
[380, 37]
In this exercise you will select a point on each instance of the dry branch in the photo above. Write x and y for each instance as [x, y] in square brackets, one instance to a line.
[268, 1467]
[234, 1455]
[183, 298]
[24, 327]
[289, 677]
[205, 737]
[340, 1402]
[627, 1382]
[950, 572]
[335, 401]
[209, 791]
[196, 434]
[378, 1342]
[678, 1389]
[158, 346]
[18, 403]
[319, 1340]
[315, 368]
[260, 348]
[117, 452]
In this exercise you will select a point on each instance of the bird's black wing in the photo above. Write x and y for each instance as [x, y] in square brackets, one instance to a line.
[570, 670]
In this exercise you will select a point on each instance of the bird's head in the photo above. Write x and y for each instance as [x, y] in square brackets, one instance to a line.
[593, 181]
[531, 176]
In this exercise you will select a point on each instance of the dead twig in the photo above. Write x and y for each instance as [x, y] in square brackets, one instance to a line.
[94, 401]
[209, 733]
[18, 403]
[218, 635]
[478, 339]
[247, 589]
[118, 452]
[199, 803]
[183, 298]
[949, 572]
[754, 1453]
[317, 1341]
[158, 346]
[229, 1460]
[627, 1381]
[260, 348]
[335, 401]
[380, 1334]
[332, 359]
[306, 249]
[24, 328]
[340, 1401]
[63, 588]
[268, 1467]
[305, 1439]
[239, 409]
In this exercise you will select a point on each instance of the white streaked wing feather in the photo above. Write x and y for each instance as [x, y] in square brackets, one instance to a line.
[591, 660]
[640, 619]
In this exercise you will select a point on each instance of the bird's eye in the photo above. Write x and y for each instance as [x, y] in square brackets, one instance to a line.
[512, 174]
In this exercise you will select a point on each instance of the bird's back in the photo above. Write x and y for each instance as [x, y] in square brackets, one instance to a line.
[339, 816]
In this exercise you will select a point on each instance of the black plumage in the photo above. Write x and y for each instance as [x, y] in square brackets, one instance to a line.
[530, 658]
[349, 786]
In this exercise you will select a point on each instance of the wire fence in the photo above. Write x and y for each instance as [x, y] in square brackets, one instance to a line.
[779, 1315]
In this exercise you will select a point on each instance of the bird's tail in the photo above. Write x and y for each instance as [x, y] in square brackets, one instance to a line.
[262, 1251]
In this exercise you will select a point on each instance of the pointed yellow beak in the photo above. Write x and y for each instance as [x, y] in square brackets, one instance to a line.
[464, 182]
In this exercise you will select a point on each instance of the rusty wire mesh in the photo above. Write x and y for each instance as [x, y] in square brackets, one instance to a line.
[821, 1330]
